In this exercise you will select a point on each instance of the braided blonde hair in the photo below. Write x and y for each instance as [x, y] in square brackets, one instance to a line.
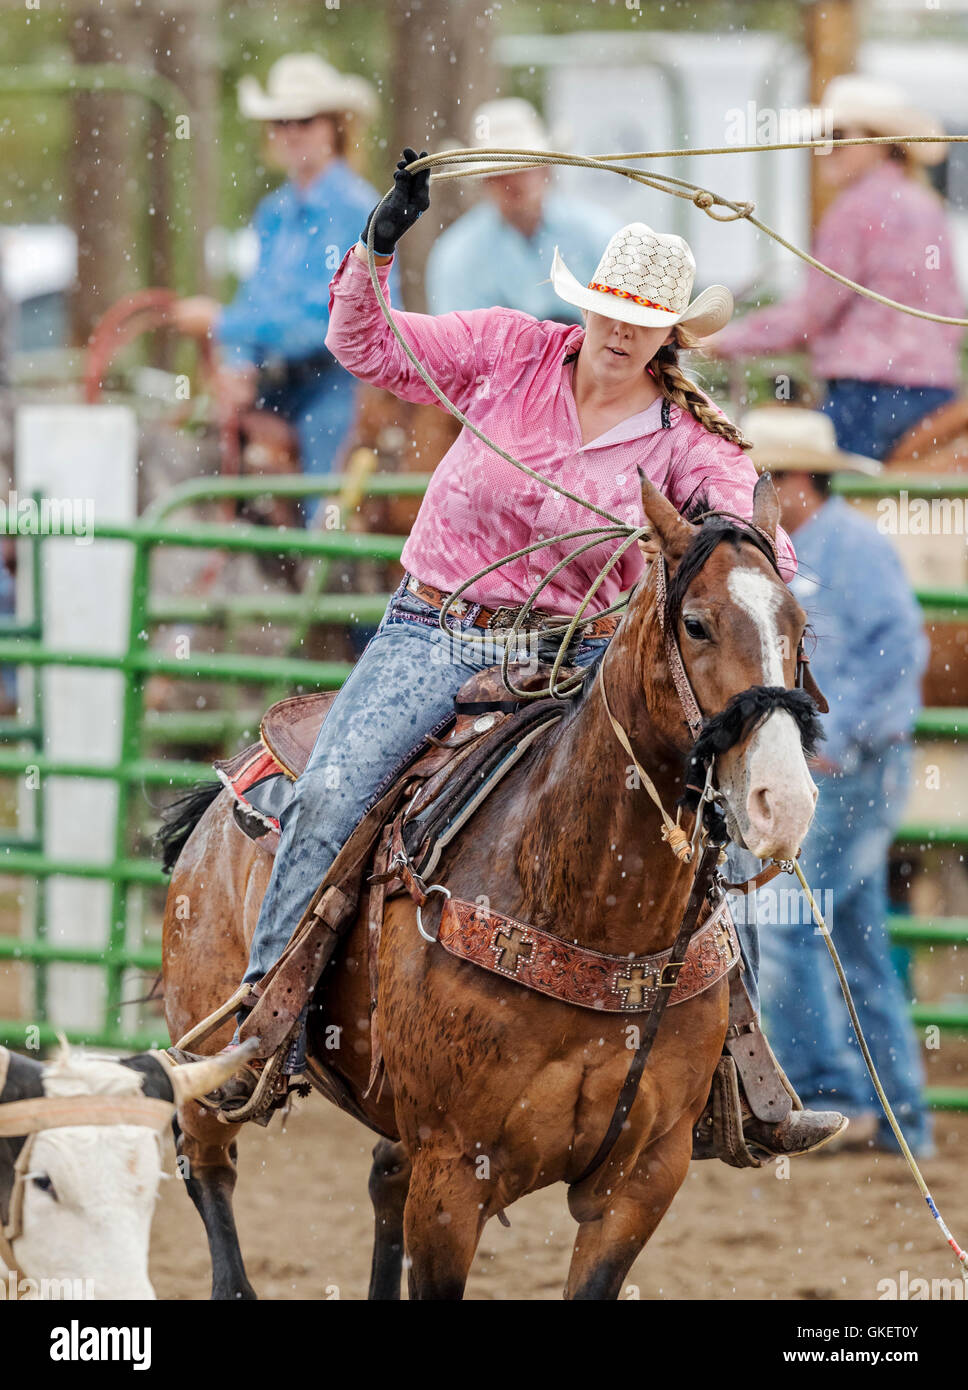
[683, 392]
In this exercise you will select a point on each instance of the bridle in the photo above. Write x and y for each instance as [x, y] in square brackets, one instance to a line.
[710, 735]
[707, 841]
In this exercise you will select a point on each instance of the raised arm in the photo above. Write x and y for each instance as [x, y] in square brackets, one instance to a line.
[458, 350]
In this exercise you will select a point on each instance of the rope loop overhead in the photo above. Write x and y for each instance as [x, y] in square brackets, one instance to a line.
[467, 163]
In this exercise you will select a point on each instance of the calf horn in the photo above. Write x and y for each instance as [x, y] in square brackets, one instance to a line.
[191, 1080]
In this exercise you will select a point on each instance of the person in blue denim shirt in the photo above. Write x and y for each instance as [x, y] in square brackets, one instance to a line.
[271, 337]
[870, 655]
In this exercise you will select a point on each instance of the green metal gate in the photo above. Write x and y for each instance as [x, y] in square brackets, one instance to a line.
[22, 644]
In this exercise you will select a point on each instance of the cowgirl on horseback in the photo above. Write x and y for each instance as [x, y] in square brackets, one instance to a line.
[592, 408]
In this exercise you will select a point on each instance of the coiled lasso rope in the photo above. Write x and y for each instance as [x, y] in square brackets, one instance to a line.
[509, 160]
[506, 161]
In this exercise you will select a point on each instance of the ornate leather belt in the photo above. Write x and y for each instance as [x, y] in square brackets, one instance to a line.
[578, 975]
[495, 618]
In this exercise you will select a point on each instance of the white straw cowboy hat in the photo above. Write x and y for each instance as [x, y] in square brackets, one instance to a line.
[853, 101]
[508, 123]
[646, 278]
[302, 85]
[791, 439]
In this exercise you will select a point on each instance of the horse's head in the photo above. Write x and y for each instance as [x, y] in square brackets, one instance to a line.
[738, 629]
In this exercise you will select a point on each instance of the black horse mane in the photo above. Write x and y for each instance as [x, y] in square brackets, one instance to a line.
[713, 530]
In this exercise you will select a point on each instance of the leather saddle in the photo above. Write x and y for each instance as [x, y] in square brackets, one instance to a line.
[290, 728]
[260, 778]
[418, 810]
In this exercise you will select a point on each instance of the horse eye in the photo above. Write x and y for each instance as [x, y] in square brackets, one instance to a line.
[694, 628]
[43, 1182]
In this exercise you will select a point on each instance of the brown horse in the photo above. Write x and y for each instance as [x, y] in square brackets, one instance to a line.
[492, 1090]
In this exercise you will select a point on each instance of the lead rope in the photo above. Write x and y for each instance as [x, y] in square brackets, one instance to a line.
[881, 1095]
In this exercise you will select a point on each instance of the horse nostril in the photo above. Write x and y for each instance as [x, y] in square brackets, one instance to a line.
[759, 808]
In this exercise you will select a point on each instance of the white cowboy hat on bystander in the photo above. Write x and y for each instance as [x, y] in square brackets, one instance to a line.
[302, 85]
[855, 102]
[507, 123]
[793, 439]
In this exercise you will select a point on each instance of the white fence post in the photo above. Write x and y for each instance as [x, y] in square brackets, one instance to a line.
[89, 454]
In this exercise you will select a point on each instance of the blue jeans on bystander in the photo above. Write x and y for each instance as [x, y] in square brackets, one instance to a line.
[844, 860]
[871, 416]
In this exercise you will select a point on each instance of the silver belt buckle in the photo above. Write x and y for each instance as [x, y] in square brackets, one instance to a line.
[502, 618]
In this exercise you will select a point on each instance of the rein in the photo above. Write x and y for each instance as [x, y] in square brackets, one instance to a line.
[703, 882]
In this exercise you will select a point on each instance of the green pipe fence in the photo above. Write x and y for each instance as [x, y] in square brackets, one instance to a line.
[22, 644]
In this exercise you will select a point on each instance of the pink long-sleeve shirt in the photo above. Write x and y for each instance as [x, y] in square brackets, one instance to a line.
[890, 234]
[508, 373]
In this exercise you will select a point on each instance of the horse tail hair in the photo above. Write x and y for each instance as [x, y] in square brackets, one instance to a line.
[180, 819]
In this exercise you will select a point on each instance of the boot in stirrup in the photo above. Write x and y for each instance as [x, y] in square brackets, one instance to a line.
[753, 1114]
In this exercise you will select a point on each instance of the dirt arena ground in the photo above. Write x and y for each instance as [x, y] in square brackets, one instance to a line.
[832, 1230]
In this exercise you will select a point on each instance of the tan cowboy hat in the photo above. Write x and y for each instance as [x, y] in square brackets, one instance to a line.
[853, 100]
[792, 439]
[646, 277]
[302, 85]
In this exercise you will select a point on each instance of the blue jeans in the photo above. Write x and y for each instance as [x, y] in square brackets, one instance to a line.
[321, 412]
[401, 689]
[871, 416]
[844, 860]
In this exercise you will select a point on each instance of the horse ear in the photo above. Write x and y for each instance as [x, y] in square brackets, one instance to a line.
[674, 533]
[814, 691]
[766, 506]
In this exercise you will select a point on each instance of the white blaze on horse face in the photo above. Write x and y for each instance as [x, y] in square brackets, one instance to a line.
[771, 793]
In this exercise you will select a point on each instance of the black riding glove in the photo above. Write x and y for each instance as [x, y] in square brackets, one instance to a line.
[410, 197]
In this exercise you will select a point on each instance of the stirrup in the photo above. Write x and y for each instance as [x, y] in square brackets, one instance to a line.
[270, 1092]
[718, 1133]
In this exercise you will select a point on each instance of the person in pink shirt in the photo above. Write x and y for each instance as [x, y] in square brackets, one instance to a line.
[595, 409]
[887, 230]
